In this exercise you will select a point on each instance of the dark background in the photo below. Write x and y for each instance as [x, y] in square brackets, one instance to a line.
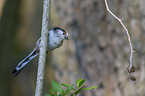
[98, 49]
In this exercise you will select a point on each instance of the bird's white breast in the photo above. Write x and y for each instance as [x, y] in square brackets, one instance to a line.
[53, 42]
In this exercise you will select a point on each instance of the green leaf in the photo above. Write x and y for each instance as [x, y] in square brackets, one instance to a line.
[47, 95]
[56, 87]
[78, 81]
[90, 88]
[68, 89]
[71, 93]
[78, 91]
[50, 91]
[66, 85]
[60, 95]
[81, 83]
[53, 94]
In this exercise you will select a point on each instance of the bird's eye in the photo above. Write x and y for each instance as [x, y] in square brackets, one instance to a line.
[64, 33]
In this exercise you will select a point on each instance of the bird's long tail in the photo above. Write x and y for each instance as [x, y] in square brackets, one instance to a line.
[24, 62]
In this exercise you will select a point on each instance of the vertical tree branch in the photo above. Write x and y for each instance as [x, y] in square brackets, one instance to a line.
[129, 40]
[43, 46]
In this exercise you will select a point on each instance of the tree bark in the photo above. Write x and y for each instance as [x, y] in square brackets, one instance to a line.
[101, 50]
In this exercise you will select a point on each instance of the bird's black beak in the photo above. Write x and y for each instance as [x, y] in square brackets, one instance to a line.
[66, 38]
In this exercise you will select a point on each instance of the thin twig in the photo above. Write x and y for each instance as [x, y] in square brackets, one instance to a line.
[43, 46]
[129, 40]
[78, 89]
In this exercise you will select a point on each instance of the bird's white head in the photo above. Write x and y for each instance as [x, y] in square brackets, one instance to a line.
[60, 33]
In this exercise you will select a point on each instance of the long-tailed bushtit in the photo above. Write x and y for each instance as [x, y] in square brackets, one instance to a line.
[55, 40]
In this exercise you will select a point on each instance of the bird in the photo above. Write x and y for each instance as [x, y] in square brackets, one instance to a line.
[56, 36]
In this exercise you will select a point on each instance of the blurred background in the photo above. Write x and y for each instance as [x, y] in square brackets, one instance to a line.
[98, 49]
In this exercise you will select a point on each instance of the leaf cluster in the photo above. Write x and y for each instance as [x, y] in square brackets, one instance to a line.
[67, 90]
